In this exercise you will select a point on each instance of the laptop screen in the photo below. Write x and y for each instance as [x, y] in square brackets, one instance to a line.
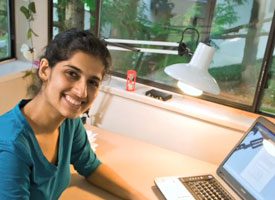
[250, 167]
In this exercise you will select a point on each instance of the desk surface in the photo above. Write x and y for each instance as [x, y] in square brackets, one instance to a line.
[138, 163]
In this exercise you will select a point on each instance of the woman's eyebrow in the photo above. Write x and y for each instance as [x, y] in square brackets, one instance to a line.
[94, 77]
[74, 67]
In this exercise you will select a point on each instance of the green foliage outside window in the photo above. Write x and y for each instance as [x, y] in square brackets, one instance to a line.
[71, 14]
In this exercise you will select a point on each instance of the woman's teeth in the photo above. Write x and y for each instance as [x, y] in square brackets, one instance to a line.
[72, 101]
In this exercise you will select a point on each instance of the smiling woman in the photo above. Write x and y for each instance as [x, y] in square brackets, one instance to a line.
[42, 136]
[72, 85]
[63, 48]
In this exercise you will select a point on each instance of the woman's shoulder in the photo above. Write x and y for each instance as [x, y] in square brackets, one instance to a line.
[11, 127]
[13, 137]
[8, 126]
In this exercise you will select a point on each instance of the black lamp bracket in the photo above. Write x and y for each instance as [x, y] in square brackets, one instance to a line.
[182, 48]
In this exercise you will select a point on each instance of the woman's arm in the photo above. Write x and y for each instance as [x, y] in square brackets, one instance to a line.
[105, 178]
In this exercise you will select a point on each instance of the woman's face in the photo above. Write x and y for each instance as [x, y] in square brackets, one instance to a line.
[72, 85]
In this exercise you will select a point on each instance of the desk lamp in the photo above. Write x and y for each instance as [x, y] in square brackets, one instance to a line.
[193, 77]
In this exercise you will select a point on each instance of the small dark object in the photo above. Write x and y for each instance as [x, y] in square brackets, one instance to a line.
[158, 95]
[84, 116]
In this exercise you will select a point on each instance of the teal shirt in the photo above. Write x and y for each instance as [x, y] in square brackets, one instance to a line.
[25, 173]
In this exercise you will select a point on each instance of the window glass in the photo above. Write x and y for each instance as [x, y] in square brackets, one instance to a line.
[238, 29]
[73, 14]
[240, 32]
[155, 20]
[268, 100]
[5, 33]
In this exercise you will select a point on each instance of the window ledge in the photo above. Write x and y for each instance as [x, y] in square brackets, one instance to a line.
[12, 69]
[221, 115]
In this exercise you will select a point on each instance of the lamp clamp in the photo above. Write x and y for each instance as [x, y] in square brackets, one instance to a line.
[182, 48]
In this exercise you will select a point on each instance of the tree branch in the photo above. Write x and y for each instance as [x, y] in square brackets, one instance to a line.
[223, 37]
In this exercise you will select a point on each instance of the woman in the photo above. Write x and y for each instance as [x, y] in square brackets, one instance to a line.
[41, 137]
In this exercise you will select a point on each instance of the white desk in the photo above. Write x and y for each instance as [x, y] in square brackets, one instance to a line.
[138, 163]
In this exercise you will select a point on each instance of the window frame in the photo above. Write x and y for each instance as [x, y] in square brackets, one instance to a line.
[11, 19]
[50, 20]
[266, 65]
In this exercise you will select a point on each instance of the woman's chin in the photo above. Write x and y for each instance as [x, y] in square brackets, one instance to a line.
[70, 114]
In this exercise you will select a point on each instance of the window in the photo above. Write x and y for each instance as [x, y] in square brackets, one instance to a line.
[6, 30]
[238, 29]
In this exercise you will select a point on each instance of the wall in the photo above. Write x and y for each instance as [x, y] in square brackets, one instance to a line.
[12, 89]
[203, 130]
[40, 26]
[12, 85]
[167, 129]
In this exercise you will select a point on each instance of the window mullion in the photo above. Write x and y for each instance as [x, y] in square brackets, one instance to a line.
[266, 64]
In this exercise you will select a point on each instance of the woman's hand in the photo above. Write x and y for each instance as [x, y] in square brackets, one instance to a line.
[138, 196]
[105, 178]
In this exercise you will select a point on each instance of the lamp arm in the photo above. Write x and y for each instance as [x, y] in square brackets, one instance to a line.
[124, 46]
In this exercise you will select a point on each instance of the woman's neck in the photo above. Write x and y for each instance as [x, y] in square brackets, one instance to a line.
[41, 116]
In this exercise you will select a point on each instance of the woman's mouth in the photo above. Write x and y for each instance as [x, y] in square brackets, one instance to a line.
[72, 101]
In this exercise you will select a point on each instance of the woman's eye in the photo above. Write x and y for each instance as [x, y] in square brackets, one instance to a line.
[94, 83]
[72, 74]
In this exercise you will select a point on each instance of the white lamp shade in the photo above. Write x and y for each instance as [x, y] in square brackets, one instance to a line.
[188, 89]
[196, 72]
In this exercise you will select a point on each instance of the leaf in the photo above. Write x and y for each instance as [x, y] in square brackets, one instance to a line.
[32, 7]
[28, 73]
[25, 11]
[90, 3]
[35, 34]
[29, 33]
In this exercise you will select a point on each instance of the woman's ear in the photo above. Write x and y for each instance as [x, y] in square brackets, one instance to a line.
[44, 69]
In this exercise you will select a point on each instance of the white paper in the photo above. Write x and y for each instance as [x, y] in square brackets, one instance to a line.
[260, 170]
[92, 138]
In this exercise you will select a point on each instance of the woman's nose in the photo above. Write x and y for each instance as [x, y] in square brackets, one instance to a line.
[80, 89]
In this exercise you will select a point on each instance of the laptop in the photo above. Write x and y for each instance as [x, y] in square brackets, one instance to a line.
[249, 169]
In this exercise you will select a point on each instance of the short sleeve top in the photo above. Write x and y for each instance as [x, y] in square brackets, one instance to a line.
[24, 170]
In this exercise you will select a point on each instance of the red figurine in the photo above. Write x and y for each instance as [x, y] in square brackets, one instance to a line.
[131, 80]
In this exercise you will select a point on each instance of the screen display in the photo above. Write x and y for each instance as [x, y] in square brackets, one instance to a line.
[252, 163]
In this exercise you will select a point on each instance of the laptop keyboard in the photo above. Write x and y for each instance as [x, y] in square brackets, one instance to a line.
[205, 187]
